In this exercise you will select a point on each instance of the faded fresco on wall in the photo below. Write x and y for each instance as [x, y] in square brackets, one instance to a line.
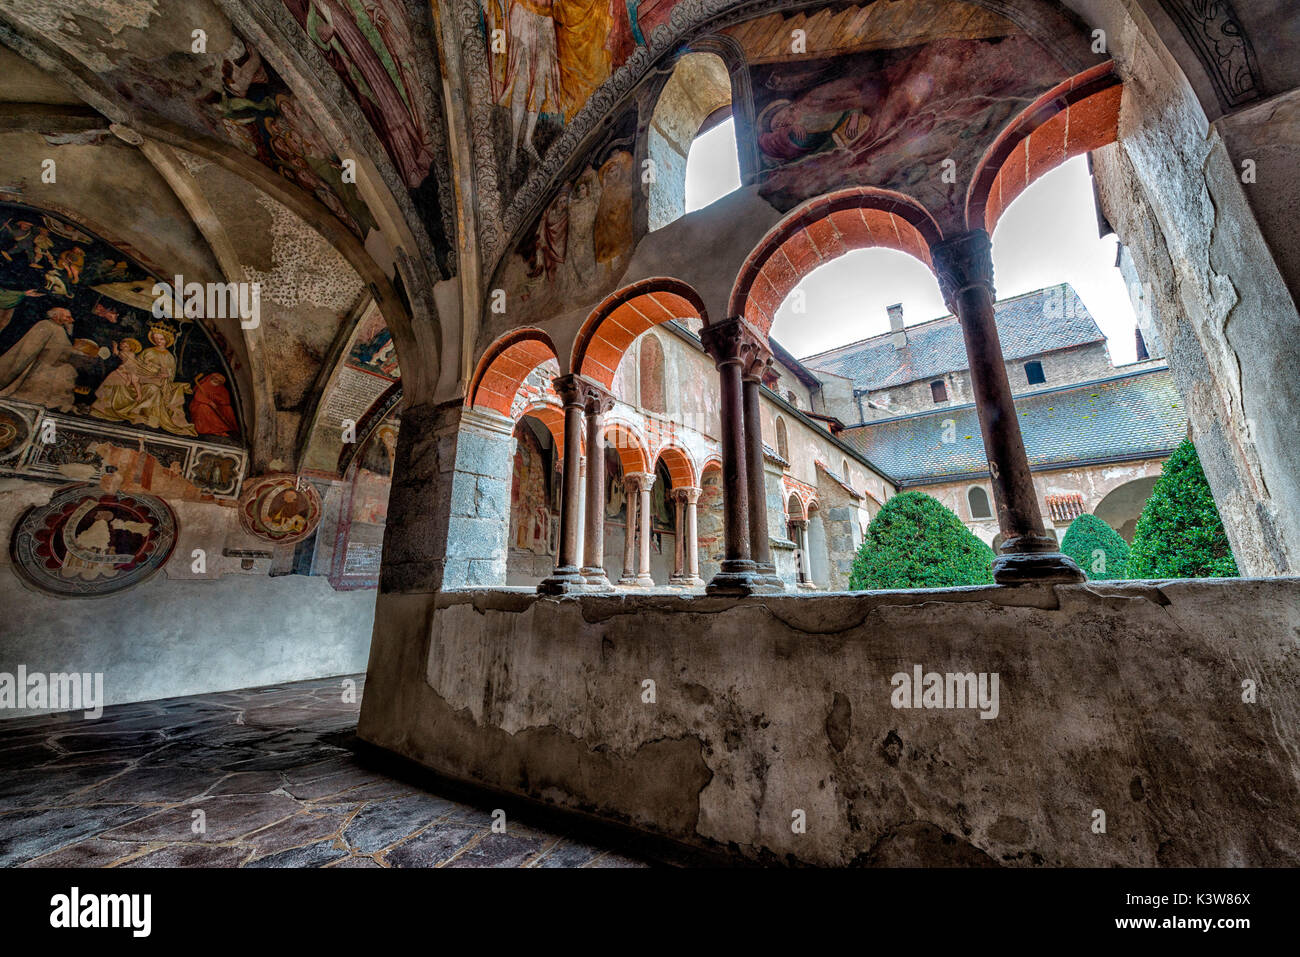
[371, 48]
[530, 494]
[77, 335]
[615, 489]
[279, 508]
[372, 348]
[548, 57]
[583, 240]
[890, 118]
[87, 542]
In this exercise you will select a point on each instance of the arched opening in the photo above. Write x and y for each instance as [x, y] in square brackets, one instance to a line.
[617, 322]
[818, 548]
[1122, 506]
[978, 501]
[534, 503]
[504, 367]
[711, 519]
[782, 439]
[691, 142]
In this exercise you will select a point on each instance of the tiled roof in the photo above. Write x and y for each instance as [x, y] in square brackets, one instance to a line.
[1037, 322]
[1124, 417]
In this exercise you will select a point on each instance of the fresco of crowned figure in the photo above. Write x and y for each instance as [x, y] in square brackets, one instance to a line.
[147, 392]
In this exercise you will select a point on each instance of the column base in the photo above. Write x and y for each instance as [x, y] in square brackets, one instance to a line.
[767, 572]
[740, 577]
[645, 581]
[563, 581]
[686, 581]
[1036, 568]
[596, 579]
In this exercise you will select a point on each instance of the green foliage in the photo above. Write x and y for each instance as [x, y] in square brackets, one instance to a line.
[1098, 548]
[915, 542]
[1180, 534]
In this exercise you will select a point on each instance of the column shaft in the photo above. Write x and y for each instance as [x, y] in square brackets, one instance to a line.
[756, 491]
[643, 576]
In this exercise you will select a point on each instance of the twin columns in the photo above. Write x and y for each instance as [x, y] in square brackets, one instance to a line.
[964, 266]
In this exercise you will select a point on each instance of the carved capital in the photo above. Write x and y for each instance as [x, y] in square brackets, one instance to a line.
[639, 481]
[687, 493]
[571, 390]
[595, 399]
[963, 262]
[759, 365]
[733, 341]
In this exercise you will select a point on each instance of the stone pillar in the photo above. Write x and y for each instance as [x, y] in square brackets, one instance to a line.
[731, 343]
[630, 497]
[692, 496]
[965, 269]
[759, 364]
[597, 403]
[679, 537]
[646, 483]
[568, 575]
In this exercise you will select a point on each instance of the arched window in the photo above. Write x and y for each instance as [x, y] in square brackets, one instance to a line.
[782, 440]
[844, 471]
[1034, 373]
[978, 499]
[939, 391]
[653, 391]
[692, 141]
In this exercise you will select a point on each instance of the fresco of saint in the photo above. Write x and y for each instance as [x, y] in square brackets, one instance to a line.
[148, 394]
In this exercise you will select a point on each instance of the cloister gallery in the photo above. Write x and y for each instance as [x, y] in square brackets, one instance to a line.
[376, 336]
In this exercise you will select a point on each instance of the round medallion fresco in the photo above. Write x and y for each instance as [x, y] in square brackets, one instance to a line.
[277, 509]
[87, 542]
[14, 430]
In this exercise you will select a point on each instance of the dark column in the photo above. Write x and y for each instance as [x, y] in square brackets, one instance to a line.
[567, 575]
[731, 344]
[596, 402]
[965, 269]
[759, 365]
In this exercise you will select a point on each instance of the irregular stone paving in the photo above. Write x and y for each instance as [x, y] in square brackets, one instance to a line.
[271, 772]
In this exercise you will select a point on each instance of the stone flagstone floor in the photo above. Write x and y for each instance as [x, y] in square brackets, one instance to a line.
[272, 772]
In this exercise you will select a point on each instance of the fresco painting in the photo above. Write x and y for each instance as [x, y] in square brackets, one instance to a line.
[372, 348]
[548, 59]
[279, 508]
[890, 118]
[86, 542]
[584, 239]
[530, 492]
[78, 336]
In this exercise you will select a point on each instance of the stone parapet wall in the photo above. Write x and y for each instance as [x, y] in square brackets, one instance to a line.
[1125, 699]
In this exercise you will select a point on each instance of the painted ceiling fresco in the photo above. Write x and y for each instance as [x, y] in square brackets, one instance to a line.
[547, 57]
[142, 51]
[77, 335]
[892, 118]
[371, 47]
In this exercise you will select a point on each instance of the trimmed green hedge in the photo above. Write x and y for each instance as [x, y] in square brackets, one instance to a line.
[1098, 548]
[915, 542]
[1180, 534]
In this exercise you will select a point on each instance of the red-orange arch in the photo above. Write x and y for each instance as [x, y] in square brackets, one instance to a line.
[551, 415]
[621, 317]
[711, 464]
[505, 365]
[822, 229]
[678, 462]
[1078, 116]
[629, 445]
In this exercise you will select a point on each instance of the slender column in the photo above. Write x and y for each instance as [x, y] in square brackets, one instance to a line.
[730, 344]
[756, 489]
[679, 536]
[964, 265]
[597, 403]
[567, 575]
[804, 558]
[643, 575]
[630, 498]
[692, 496]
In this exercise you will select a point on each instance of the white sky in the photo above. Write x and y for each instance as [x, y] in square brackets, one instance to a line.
[1047, 236]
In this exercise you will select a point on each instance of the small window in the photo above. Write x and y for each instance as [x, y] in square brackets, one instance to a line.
[1034, 373]
[978, 499]
[939, 391]
[782, 442]
[844, 470]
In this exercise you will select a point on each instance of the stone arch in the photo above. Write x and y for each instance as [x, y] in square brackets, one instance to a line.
[794, 507]
[678, 462]
[1077, 116]
[616, 323]
[822, 229]
[629, 445]
[505, 365]
[1121, 507]
[550, 414]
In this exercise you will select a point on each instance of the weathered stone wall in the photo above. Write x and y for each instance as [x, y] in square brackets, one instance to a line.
[770, 706]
